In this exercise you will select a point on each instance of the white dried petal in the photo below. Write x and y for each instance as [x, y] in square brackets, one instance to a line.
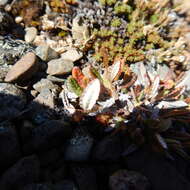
[114, 70]
[108, 103]
[171, 105]
[90, 95]
[155, 87]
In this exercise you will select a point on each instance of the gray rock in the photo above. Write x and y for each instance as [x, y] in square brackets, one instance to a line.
[23, 69]
[129, 180]
[102, 150]
[37, 187]
[44, 84]
[9, 146]
[3, 72]
[72, 54]
[159, 171]
[46, 53]
[12, 50]
[25, 171]
[49, 135]
[79, 146]
[85, 177]
[12, 101]
[65, 185]
[47, 98]
[59, 66]
[6, 21]
[49, 157]
[3, 2]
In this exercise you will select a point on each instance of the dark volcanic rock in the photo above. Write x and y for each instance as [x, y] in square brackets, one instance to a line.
[85, 177]
[6, 22]
[129, 180]
[46, 136]
[25, 171]
[12, 101]
[79, 146]
[159, 171]
[108, 148]
[9, 146]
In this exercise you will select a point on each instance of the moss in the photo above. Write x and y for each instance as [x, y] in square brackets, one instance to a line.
[116, 22]
[122, 8]
[154, 18]
[107, 2]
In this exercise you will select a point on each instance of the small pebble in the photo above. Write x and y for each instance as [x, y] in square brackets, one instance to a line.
[59, 66]
[30, 35]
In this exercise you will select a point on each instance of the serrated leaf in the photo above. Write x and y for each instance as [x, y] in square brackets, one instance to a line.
[95, 73]
[90, 95]
[73, 86]
[79, 77]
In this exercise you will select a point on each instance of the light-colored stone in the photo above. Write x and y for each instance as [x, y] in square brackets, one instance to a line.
[46, 53]
[44, 84]
[3, 2]
[72, 55]
[23, 69]
[59, 66]
[30, 35]
[46, 98]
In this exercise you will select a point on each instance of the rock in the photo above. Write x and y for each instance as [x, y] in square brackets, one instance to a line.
[159, 171]
[3, 72]
[47, 136]
[6, 22]
[46, 53]
[129, 180]
[9, 146]
[80, 31]
[79, 146]
[59, 66]
[23, 69]
[25, 171]
[44, 84]
[55, 79]
[47, 98]
[102, 150]
[37, 187]
[65, 185]
[12, 101]
[3, 2]
[72, 54]
[85, 177]
[30, 35]
[12, 50]
[59, 174]
[48, 157]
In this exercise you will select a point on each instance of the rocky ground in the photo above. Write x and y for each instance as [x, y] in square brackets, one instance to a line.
[65, 126]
